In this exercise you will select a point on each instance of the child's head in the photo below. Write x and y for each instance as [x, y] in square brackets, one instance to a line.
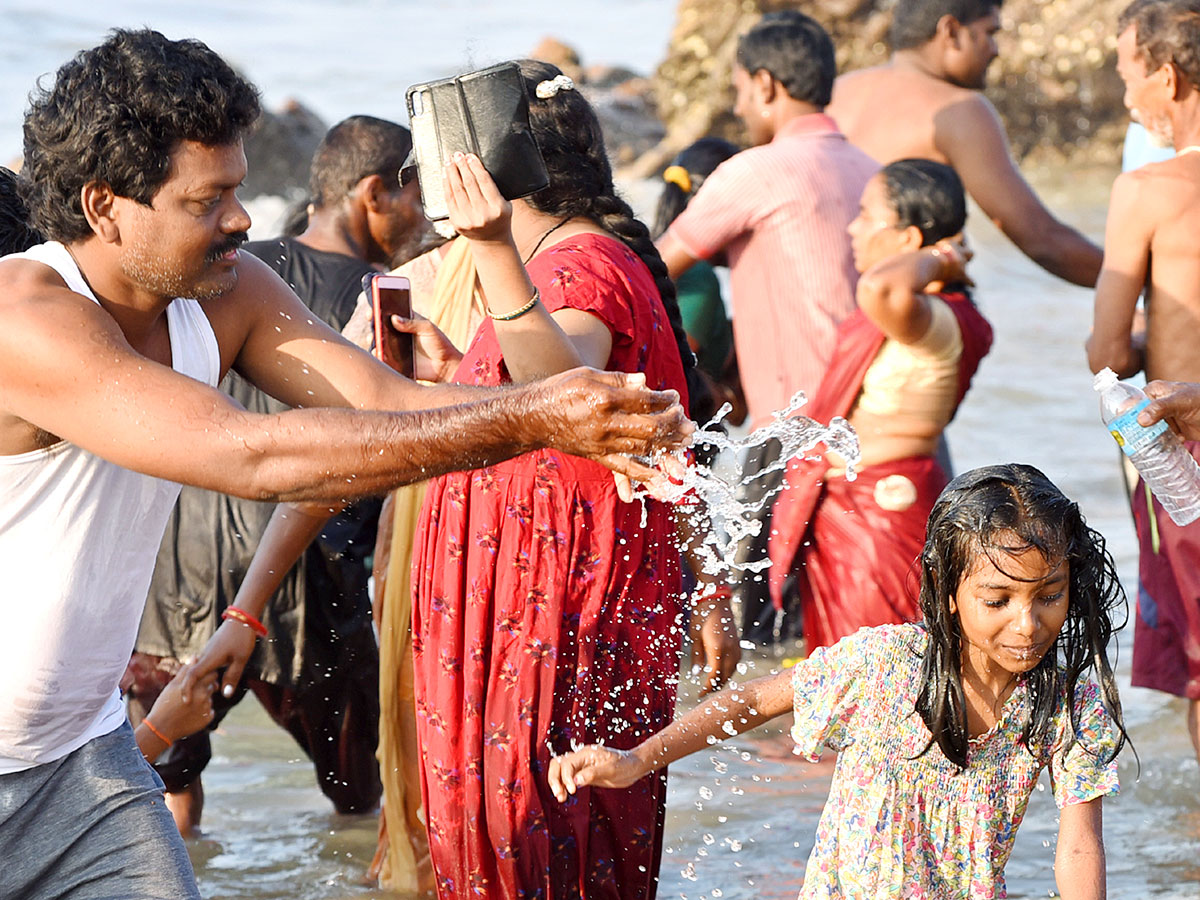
[684, 176]
[1011, 569]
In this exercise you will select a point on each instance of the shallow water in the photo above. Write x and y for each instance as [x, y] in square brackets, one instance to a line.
[340, 59]
[270, 833]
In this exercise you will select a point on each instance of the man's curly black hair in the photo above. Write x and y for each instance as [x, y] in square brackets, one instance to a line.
[115, 114]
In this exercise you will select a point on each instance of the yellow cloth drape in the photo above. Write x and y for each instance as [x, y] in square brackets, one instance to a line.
[444, 290]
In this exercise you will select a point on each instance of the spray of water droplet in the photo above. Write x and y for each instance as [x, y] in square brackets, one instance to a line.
[719, 519]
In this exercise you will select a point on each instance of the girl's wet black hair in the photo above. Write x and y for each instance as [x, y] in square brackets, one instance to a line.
[926, 194]
[699, 159]
[568, 134]
[999, 510]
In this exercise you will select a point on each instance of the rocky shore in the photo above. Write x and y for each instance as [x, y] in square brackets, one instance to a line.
[1055, 85]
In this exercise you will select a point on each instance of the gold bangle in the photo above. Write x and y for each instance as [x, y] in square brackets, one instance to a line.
[517, 313]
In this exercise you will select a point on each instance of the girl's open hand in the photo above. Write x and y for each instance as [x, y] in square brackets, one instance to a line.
[593, 765]
[477, 210]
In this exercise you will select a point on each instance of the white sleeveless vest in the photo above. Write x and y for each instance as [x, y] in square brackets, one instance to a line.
[78, 537]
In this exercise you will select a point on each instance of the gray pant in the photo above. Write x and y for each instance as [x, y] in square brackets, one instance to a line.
[91, 826]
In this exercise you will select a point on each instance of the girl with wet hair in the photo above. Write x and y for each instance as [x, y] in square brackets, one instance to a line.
[546, 608]
[902, 365]
[943, 728]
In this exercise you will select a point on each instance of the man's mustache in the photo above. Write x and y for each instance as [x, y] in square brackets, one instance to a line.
[232, 242]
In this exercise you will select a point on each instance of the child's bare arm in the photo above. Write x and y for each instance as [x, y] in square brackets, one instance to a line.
[1079, 867]
[173, 716]
[293, 526]
[734, 710]
[1129, 230]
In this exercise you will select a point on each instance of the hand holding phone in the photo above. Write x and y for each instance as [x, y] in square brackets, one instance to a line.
[391, 296]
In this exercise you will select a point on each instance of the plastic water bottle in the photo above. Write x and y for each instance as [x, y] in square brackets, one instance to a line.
[1160, 458]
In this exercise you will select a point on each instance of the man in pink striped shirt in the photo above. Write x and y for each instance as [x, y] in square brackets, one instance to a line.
[779, 211]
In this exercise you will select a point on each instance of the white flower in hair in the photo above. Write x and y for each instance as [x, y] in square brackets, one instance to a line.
[551, 86]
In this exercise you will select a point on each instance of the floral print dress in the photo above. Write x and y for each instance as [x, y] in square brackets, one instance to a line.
[900, 823]
[546, 612]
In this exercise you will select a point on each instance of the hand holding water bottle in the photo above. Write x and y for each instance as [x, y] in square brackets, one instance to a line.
[1175, 402]
[1163, 462]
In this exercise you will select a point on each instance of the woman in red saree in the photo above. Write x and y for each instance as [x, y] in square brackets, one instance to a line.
[546, 608]
[903, 363]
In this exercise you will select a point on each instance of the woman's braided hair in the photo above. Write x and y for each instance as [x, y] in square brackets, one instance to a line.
[568, 134]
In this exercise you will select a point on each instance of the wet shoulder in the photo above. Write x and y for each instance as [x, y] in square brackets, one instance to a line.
[852, 90]
[23, 279]
[1085, 705]
[1164, 189]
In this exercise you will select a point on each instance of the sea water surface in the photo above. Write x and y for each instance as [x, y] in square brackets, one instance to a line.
[339, 57]
[741, 816]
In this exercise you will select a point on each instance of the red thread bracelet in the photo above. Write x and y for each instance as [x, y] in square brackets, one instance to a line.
[158, 734]
[240, 615]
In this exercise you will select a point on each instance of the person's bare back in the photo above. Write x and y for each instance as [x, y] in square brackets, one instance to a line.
[909, 96]
[1154, 214]
[1154, 218]
[926, 102]
[1173, 296]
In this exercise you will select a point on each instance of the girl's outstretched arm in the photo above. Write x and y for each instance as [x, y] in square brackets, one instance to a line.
[734, 710]
[1079, 861]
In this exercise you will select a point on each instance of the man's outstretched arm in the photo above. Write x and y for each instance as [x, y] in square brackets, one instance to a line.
[66, 368]
[973, 139]
[273, 340]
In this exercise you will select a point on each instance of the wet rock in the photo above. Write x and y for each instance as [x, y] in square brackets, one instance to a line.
[279, 151]
[605, 77]
[631, 127]
[623, 100]
[552, 50]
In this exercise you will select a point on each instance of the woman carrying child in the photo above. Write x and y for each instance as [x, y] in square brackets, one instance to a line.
[942, 728]
[902, 365]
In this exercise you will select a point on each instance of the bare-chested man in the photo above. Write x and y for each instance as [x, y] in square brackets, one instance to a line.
[926, 102]
[108, 397]
[1153, 221]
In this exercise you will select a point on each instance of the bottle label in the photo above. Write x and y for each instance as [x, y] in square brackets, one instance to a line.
[1129, 435]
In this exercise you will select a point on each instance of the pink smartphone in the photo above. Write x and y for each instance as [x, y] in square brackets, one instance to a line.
[391, 296]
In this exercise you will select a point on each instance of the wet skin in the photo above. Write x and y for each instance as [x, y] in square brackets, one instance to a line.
[97, 375]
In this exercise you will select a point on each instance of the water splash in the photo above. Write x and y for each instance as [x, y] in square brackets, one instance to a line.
[717, 517]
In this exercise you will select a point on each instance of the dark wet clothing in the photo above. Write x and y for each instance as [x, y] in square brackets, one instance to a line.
[321, 650]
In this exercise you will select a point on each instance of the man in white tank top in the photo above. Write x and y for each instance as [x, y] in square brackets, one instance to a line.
[108, 402]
